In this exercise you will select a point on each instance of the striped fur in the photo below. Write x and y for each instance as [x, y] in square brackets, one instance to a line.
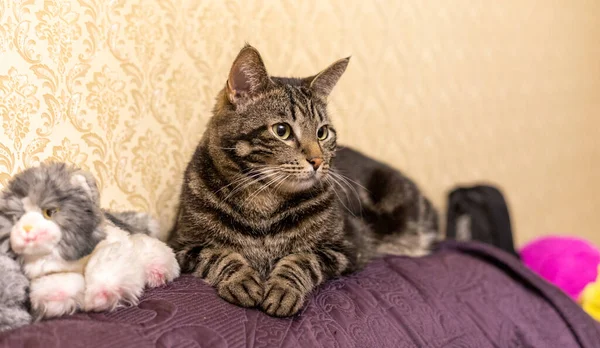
[264, 219]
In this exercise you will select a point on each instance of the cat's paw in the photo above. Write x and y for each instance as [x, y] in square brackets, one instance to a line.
[282, 299]
[243, 288]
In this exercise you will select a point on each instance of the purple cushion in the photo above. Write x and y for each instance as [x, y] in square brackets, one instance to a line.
[465, 295]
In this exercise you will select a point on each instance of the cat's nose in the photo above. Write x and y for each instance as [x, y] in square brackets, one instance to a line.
[315, 162]
[27, 228]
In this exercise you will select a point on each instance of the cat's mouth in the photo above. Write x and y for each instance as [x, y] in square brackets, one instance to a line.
[302, 181]
[299, 184]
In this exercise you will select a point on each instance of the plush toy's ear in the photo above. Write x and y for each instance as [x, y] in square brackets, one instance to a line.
[87, 182]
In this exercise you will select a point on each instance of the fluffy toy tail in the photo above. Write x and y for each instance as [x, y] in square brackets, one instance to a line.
[135, 222]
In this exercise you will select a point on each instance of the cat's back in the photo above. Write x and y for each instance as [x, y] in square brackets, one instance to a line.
[359, 167]
[352, 161]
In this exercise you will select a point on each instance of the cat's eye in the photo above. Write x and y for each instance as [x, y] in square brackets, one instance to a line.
[282, 130]
[323, 133]
[48, 213]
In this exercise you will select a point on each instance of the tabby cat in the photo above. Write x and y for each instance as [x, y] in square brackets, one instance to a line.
[269, 209]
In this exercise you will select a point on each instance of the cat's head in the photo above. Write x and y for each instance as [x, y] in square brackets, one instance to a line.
[276, 128]
[51, 209]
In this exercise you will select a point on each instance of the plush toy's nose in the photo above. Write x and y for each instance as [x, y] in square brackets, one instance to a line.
[27, 228]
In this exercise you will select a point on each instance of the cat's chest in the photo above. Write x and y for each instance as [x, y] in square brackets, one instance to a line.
[259, 208]
[263, 253]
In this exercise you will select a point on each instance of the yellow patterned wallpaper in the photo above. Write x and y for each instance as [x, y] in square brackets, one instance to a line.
[452, 92]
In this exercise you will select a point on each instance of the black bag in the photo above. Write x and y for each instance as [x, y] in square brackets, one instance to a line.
[480, 213]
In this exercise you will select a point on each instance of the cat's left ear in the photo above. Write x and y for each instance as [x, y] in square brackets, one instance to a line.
[323, 83]
[87, 182]
[248, 75]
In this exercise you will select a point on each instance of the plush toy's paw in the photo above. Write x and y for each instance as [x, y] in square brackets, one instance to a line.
[160, 264]
[114, 277]
[157, 275]
[243, 288]
[281, 299]
[160, 273]
[112, 293]
[107, 297]
[57, 294]
[102, 299]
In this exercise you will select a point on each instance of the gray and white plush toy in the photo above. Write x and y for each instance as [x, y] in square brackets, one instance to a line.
[77, 255]
[13, 286]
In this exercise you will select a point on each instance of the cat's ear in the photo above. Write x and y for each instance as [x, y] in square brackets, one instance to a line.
[87, 182]
[323, 83]
[248, 75]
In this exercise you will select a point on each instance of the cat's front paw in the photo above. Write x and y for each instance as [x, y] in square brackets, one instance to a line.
[282, 299]
[243, 288]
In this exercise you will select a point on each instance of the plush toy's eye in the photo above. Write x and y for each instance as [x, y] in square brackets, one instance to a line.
[282, 130]
[48, 213]
[323, 133]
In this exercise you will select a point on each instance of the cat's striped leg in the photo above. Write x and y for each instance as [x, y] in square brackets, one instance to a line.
[295, 276]
[232, 276]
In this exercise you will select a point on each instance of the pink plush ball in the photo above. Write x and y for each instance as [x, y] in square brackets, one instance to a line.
[567, 262]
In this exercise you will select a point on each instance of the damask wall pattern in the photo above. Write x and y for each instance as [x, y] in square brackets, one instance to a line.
[450, 92]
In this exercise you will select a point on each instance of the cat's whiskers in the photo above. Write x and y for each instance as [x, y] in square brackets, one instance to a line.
[252, 179]
[333, 182]
[278, 178]
[252, 174]
[346, 180]
[244, 175]
[238, 183]
[345, 177]
[238, 180]
[281, 182]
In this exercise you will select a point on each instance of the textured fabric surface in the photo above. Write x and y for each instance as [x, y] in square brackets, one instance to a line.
[450, 91]
[466, 295]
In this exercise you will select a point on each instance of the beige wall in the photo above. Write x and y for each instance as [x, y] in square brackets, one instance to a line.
[451, 92]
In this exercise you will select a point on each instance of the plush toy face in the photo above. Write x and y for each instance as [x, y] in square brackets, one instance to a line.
[51, 209]
[35, 233]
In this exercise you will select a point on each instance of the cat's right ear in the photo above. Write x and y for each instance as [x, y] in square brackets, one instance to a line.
[248, 75]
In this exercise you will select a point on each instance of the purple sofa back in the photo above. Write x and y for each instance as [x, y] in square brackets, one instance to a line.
[465, 295]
